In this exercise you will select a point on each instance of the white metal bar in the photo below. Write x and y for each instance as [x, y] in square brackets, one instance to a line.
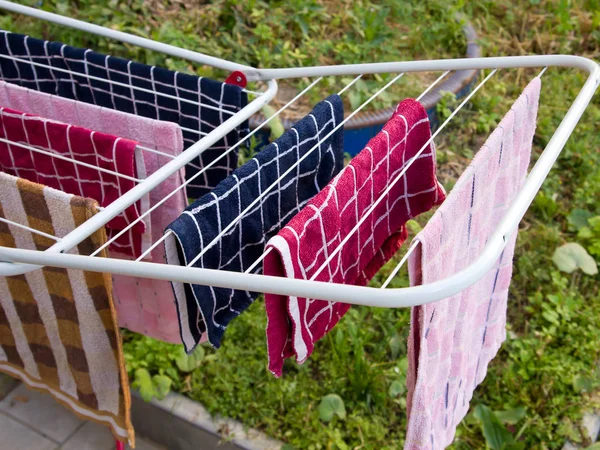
[278, 180]
[149, 44]
[71, 160]
[390, 186]
[392, 298]
[133, 195]
[200, 172]
[117, 83]
[499, 62]
[32, 230]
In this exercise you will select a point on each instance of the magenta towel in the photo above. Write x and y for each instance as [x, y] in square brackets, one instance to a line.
[300, 248]
[143, 305]
[452, 341]
[97, 149]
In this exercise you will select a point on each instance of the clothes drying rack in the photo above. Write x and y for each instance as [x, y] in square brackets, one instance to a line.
[16, 261]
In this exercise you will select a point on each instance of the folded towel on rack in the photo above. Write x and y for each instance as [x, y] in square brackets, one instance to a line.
[208, 310]
[197, 104]
[143, 305]
[58, 332]
[299, 250]
[96, 150]
[452, 341]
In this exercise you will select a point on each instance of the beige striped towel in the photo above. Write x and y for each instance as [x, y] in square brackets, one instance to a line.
[58, 331]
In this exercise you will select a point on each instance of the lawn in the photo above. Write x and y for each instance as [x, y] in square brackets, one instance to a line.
[547, 373]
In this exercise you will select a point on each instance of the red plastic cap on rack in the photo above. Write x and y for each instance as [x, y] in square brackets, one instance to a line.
[237, 78]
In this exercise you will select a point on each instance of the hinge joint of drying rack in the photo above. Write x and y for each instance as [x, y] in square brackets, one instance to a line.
[237, 78]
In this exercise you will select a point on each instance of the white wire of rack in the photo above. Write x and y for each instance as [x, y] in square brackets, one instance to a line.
[19, 261]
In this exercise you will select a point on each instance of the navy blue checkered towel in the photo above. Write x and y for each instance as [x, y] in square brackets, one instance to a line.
[205, 311]
[179, 86]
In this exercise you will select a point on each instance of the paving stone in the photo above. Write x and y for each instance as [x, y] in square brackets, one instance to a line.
[591, 424]
[91, 436]
[41, 412]
[145, 444]
[16, 436]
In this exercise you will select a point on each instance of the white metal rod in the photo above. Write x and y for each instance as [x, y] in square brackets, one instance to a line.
[357, 295]
[500, 62]
[400, 264]
[149, 44]
[32, 230]
[292, 167]
[200, 172]
[258, 261]
[158, 152]
[349, 85]
[133, 195]
[390, 186]
[71, 160]
[118, 83]
[431, 86]
[139, 258]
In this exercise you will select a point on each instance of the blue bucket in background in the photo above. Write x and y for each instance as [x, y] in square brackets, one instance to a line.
[366, 124]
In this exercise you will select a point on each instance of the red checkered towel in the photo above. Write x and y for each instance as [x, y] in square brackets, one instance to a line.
[295, 324]
[81, 144]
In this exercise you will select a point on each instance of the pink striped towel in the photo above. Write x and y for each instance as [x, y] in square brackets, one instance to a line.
[143, 305]
[295, 324]
[98, 150]
[452, 341]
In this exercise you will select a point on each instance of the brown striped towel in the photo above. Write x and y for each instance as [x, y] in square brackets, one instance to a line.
[58, 331]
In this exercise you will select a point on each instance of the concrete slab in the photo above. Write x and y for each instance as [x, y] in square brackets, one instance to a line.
[41, 412]
[15, 436]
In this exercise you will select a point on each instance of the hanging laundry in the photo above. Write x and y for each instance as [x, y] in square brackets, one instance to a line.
[143, 305]
[205, 310]
[299, 250]
[58, 332]
[184, 93]
[452, 341]
[98, 150]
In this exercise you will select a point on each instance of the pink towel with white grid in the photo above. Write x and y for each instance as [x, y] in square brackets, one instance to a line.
[143, 305]
[452, 341]
[300, 248]
[96, 149]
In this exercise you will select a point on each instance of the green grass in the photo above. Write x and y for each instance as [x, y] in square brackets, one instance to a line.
[549, 363]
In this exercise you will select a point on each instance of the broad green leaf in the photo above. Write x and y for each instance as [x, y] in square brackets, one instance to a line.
[162, 385]
[582, 384]
[330, 406]
[396, 388]
[188, 363]
[595, 446]
[511, 416]
[572, 256]
[143, 382]
[287, 447]
[496, 436]
[579, 218]
[275, 123]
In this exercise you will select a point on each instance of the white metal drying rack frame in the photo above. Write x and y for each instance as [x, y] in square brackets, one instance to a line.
[19, 261]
